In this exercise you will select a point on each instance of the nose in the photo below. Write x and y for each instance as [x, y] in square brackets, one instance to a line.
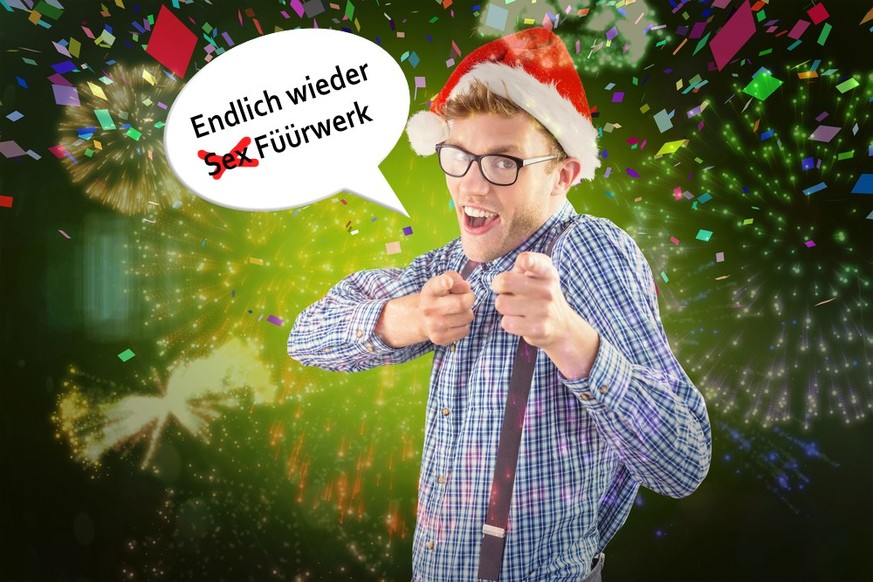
[473, 183]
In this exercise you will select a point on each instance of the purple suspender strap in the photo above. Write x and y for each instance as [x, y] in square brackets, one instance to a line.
[494, 530]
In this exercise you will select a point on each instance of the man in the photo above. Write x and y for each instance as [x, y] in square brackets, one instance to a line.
[609, 407]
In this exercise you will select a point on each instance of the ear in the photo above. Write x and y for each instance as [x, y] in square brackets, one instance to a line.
[569, 174]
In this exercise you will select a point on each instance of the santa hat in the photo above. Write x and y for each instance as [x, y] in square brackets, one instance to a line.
[532, 69]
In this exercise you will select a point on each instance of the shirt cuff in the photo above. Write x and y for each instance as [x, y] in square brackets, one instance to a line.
[607, 382]
[361, 331]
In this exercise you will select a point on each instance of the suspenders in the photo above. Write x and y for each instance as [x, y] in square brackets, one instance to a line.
[494, 529]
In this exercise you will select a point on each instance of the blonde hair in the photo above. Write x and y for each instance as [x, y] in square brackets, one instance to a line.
[480, 99]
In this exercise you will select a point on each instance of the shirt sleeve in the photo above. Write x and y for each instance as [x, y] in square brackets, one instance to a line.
[337, 332]
[637, 393]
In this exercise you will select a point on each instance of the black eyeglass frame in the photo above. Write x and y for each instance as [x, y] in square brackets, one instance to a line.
[519, 162]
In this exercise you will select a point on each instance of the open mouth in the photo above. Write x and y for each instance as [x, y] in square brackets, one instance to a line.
[478, 218]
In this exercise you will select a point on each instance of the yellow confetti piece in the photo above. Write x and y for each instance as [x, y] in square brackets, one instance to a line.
[74, 47]
[149, 78]
[97, 91]
[255, 261]
[644, 108]
[671, 146]
[807, 75]
[98, 145]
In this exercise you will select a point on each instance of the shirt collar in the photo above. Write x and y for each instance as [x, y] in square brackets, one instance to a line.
[537, 242]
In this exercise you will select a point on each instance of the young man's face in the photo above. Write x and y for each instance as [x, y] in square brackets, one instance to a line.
[512, 213]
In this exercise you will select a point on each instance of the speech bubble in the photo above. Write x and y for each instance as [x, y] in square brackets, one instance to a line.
[288, 119]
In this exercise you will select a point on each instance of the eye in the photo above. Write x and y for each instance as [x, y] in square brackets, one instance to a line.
[502, 163]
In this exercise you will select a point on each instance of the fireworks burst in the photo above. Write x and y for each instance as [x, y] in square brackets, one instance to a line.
[206, 272]
[95, 417]
[749, 238]
[113, 142]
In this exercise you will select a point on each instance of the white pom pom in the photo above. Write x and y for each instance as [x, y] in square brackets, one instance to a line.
[425, 129]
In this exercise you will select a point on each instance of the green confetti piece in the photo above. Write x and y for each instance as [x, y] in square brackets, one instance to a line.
[762, 86]
[825, 31]
[133, 133]
[765, 52]
[846, 155]
[700, 44]
[89, 153]
[847, 85]
[47, 9]
[704, 235]
[104, 118]
[126, 355]
[761, 16]
[664, 277]
[747, 221]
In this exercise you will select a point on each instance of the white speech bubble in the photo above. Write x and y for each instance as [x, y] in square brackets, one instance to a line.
[321, 108]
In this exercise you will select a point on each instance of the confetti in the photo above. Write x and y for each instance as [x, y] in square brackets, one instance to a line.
[277, 321]
[762, 86]
[171, 43]
[824, 133]
[733, 35]
[864, 185]
[392, 248]
[818, 14]
[704, 235]
[813, 189]
[126, 355]
[5, 201]
[66, 95]
[11, 149]
[798, 29]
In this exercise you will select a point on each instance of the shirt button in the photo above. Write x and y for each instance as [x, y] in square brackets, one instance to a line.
[360, 333]
[586, 396]
[430, 544]
[446, 411]
[441, 479]
[604, 389]
[370, 348]
[452, 348]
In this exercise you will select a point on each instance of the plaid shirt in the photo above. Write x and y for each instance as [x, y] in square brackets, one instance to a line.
[587, 444]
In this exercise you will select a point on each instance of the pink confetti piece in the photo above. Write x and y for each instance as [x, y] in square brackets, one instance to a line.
[65, 235]
[809, 244]
[277, 321]
[733, 35]
[11, 149]
[798, 29]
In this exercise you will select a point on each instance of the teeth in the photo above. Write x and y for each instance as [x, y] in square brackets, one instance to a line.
[477, 213]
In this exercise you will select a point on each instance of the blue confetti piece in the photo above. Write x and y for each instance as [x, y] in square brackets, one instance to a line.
[813, 189]
[864, 185]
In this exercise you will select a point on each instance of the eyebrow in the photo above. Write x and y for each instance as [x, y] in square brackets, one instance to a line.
[501, 149]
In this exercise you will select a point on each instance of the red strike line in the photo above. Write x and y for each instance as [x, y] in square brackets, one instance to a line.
[238, 158]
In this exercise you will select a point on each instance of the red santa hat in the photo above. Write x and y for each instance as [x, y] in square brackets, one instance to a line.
[532, 69]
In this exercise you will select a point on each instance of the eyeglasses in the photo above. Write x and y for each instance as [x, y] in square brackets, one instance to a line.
[499, 169]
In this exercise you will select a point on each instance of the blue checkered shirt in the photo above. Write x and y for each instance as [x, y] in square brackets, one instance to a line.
[587, 444]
